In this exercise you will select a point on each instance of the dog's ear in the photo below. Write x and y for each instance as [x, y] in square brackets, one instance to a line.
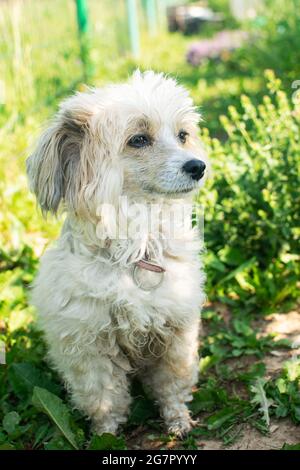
[76, 158]
[53, 166]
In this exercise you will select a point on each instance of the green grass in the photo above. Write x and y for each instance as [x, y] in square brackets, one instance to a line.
[251, 231]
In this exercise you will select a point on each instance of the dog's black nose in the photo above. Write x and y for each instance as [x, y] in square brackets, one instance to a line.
[194, 168]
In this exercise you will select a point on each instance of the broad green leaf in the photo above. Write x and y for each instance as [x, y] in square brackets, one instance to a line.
[232, 256]
[142, 409]
[3, 436]
[243, 267]
[255, 371]
[296, 413]
[291, 447]
[107, 441]
[206, 362]
[7, 446]
[218, 419]
[203, 400]
[42, 433]
[292, 369]
[24, 377]
[281, 385]
[281, 410]
[58, 443]
[215, 263]
[57, 411]
[237, 352]
[11, 421]
[242, 327]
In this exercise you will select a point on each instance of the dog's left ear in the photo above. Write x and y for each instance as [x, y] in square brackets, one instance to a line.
[53, 167]
[76, 159]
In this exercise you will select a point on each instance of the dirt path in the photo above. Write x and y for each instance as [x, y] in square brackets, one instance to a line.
[281, 432]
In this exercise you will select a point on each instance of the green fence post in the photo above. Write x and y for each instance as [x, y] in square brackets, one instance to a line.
[133, 27]
[82, 16]
[151, 16]
[83, 28]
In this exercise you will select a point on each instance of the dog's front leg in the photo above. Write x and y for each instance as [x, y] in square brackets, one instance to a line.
[172, 378]
[99, 387]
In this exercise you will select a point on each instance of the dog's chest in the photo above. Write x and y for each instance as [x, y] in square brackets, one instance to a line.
[146, 322]
[142, 335]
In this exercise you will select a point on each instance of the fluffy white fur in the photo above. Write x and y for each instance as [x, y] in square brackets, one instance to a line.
[101, 328]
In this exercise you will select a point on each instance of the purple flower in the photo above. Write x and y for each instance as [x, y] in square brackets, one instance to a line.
[213, 48]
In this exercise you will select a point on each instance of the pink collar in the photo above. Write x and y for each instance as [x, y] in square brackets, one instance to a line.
[145, 264]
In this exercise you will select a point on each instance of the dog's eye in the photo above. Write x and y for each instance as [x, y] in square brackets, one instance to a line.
[139, 141]
[183, 136]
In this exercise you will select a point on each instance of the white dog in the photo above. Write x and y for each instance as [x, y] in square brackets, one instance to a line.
[110, 305]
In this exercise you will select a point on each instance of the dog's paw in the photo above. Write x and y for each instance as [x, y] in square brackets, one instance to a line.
[103, 428]
[181, 427]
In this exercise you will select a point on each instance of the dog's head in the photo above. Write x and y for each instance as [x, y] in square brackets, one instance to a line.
[137, 139]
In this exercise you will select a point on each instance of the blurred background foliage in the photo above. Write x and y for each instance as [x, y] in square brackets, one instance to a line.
[251, 121]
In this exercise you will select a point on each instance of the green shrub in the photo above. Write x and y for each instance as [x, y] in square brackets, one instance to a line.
[252, 214]
[276, 30]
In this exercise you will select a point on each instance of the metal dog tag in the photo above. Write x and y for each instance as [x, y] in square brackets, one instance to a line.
[148, 276]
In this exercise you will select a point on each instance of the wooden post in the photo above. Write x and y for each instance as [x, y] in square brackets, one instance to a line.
[83, 28]
[133, 26]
